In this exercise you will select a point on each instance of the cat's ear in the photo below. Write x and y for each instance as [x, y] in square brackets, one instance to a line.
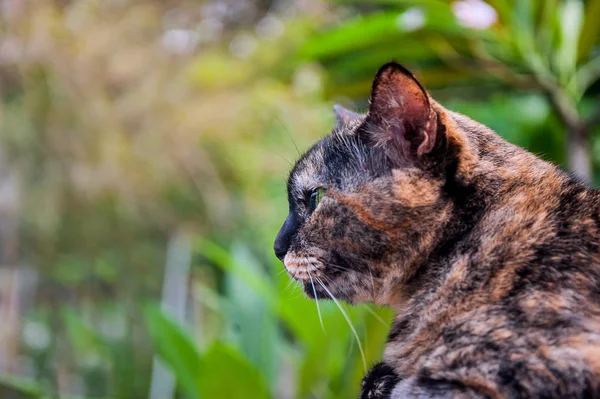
[401, 119]
[343, 116]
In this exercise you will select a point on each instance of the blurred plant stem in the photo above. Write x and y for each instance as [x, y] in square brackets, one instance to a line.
[174, 299]
[9, 264]
[577, 128]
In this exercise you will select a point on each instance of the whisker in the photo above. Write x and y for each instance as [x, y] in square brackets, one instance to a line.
[317, 302]
[333, 265]
[372, 283]
[375, 315]
[289, 284]
[288, 133]
[270, 153]
[328, 279]
[285, 160]
[360, 348]
[367, 306]
[298, 295]
[336, 266]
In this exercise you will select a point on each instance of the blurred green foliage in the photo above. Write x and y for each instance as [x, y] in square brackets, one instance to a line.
[127, 124]
[539, 46]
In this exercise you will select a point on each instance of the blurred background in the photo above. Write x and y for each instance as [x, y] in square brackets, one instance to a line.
[144, 147]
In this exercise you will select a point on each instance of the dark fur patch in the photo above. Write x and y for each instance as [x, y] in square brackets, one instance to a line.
[379, 382]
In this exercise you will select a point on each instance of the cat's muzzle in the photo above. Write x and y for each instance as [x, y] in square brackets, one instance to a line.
[299, 267]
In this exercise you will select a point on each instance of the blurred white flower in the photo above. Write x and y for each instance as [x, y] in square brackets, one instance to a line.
[270, 27]
[36, 335]
[92, 360]
[411, 19]
[243, 45]
[10, 50]
[476, 14]
[113, 326]
[216, 9]
[210, 29]
[180, 41]
[307, 80]
[534, 109]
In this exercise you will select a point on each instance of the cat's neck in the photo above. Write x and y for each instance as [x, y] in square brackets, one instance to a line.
[512, 209]
[543, 238]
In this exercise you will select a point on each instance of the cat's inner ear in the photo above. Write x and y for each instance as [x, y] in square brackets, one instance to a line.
[400, 114]
[343, 116]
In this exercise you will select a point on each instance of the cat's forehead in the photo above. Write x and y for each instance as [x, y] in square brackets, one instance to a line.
[304, 175]
[326, 159]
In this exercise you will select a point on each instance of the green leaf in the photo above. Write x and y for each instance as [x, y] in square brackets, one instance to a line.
[18, 388]
[176, 348]
[587, 75]
[253, 277]
[81, 336]
[364, 63]
[353, 34]
[549, 25]
[503, 8]
[590, 33]
[571, 19]
[226, 374]
[253, 325]
[360, 33]
[524, 39]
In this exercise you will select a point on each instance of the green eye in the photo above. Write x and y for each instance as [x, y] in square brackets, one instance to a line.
[316, 197]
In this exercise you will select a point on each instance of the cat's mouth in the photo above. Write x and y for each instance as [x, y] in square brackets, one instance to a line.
[314, 291]
[309, 271]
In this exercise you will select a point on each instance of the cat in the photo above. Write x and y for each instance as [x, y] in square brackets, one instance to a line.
[489, 256]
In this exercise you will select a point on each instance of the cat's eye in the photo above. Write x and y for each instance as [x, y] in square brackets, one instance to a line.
[315, 197]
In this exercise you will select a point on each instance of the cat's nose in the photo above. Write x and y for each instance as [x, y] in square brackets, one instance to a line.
[280, 250]
[284, 237]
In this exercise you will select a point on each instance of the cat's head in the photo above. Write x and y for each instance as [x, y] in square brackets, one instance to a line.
[367, 202]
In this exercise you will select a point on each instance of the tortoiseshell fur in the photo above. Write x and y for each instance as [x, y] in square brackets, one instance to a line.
[489, 255]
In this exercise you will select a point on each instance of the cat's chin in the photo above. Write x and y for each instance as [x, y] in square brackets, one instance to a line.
[314, 293]
[318, 293]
